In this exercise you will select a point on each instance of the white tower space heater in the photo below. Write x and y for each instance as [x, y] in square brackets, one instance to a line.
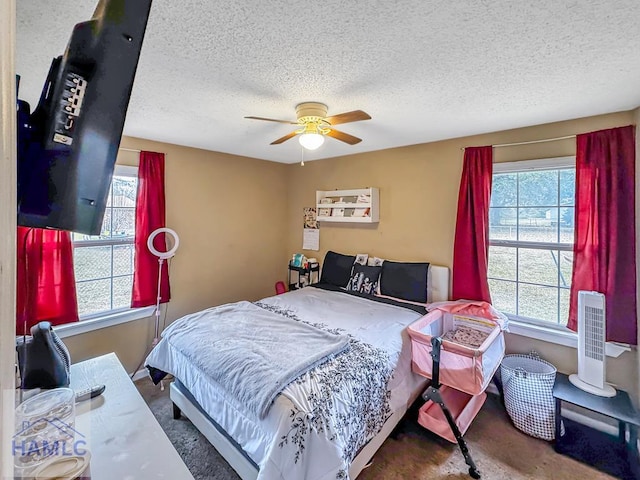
[591, 376]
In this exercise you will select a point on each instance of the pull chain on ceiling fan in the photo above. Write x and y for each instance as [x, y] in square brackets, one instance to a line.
[314, 125]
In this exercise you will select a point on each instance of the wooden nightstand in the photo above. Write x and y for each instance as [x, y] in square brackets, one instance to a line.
[616, 455]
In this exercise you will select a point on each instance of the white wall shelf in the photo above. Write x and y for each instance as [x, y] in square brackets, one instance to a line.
[360, 205]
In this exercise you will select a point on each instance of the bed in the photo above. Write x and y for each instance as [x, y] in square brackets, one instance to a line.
[328, 423]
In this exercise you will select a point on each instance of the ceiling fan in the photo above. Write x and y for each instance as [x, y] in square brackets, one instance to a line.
[314, 124]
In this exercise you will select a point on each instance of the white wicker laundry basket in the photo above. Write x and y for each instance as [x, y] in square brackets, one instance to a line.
[527, 382]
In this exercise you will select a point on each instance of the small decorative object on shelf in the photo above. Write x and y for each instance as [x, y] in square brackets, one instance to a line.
[360, 205]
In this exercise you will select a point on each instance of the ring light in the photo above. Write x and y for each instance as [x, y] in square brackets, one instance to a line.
[162, 256]
[169, 253]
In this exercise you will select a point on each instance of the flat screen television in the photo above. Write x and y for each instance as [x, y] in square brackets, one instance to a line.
[67, 147]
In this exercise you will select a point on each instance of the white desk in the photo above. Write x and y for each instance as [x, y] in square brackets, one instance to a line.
[125, 439]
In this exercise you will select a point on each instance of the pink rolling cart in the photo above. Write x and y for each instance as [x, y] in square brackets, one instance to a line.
[459, 374]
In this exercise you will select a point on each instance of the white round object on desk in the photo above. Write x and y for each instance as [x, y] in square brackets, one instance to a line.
[43, 420]
[68, 468]
[57, 402]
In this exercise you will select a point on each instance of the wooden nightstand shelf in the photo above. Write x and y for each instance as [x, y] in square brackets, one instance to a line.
[616, 455]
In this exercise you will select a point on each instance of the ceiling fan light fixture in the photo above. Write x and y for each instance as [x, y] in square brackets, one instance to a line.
[311, 141]
[313, 125]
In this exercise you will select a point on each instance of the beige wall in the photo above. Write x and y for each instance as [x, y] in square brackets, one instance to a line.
[418, 203]
[230, 213]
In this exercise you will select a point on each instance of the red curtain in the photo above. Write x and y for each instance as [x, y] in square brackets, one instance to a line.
[46, 287]
[604, 255]
[150, 215]
[471, 246]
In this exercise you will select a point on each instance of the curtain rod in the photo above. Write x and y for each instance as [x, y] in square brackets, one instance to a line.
[534, 141]
[544, 140]
[129, 150]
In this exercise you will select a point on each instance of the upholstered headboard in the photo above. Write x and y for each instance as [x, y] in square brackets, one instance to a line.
[438, 282]
[406, 279]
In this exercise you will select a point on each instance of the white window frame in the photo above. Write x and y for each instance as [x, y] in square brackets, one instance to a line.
[107, 318]
[534, 328]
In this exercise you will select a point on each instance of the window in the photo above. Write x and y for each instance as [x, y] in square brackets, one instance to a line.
[104, 263]
[531, 224]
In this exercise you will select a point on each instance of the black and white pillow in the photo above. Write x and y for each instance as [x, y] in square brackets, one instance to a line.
[361, 258]
[364, 279]
[375, 261]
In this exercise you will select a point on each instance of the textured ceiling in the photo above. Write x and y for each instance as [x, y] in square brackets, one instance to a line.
[424, 70]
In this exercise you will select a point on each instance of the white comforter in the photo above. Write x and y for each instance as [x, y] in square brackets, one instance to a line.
[318, 423]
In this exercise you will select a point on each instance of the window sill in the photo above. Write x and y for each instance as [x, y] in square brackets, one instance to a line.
[104, 321]
[559, 336]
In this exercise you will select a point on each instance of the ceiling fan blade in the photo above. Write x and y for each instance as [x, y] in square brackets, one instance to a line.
[348, 117]
[273, 120]
[343, 137]
[285, 138]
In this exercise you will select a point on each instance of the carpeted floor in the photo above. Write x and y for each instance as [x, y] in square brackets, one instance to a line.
[500, 451]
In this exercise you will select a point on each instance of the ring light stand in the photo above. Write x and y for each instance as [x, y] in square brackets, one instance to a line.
[162, 256]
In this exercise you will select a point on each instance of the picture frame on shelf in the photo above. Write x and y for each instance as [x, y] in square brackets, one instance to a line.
[337, 212]
[361, 212]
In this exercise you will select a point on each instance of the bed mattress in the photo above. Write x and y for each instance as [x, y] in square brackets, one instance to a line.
[316, 426]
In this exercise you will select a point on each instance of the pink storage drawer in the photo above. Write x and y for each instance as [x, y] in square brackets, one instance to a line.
[463, 368]
[463, 408]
